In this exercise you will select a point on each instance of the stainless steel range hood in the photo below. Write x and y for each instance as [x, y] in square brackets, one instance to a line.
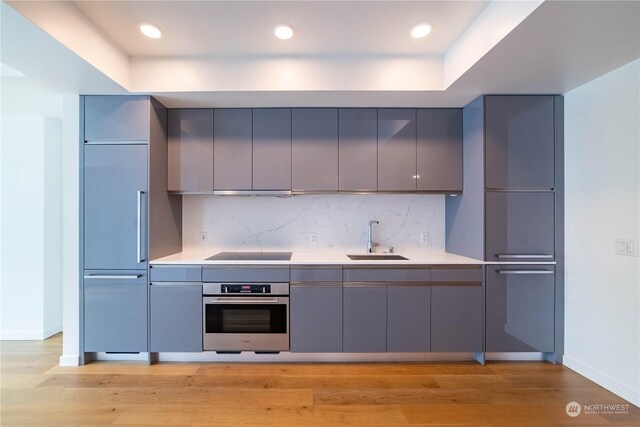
[254, 193]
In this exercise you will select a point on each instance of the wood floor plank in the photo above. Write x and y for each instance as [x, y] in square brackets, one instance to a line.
[439, 414]
[194, 396]
[80, 415]
[118, 380]
[283, 415]
[398, 396]
[105, 368]
[483, 381]
[293, 382]
[26, 396]
[8, 381]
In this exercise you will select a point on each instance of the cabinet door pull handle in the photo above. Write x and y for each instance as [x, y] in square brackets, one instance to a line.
[521, 256]
[507, 272]
[139, 229]
[312, 284]
[241, 300]
[113, 276]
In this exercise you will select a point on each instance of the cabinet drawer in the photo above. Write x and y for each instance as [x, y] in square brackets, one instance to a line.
[386, 275]
[327, 274]
[175, 274]
[444, 275]
[248, 274]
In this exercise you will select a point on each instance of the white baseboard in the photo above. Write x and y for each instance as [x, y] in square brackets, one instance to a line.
[49, 332]
[69, 360]
[37, 335]
[603, 380]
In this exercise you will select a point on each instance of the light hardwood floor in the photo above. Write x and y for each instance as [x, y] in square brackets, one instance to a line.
[35, 391]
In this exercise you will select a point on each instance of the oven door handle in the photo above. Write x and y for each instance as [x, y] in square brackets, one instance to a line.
[241, 301]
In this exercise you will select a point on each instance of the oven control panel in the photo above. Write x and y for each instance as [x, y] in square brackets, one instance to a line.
[245, 289]
[239, 288]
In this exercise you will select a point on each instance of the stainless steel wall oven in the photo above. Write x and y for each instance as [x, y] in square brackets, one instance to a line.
[246, 317]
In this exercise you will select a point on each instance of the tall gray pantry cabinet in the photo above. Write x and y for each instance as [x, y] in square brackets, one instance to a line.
[511, 216]
[123, 152]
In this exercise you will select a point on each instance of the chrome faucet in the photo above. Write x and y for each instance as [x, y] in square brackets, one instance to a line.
[370, 243]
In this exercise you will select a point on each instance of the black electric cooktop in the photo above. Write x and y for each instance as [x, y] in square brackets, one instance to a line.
[251, 256]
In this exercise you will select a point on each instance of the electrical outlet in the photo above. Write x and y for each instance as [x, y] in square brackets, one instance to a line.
[203, 237]
[424, 237]
[627, 247]
[313, 238]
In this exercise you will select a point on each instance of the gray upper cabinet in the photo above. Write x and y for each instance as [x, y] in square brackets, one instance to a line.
[439, 150]
[314, 150]
[232, 149]
[115, 311]
[115, 206]
[358, 145]
[457, 318]
[190, 150]
[520, 226]
[519, 132]
[316, 317]
[116, 118]
[520, 308]
[176, 316]
[408, 317]
[272, 149]
[397, 149]
[365, 317]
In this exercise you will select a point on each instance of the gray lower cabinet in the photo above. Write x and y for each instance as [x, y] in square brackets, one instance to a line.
[358, 149]
[364, 317]
[314, 149]
[457, 318]
[116, 118]
[439, 149]
[520, 308]
[316, 317]
[190, 150]
[232, 149]
[520, 226]
[176, 316]
[272, 149]
[115, 206]
[397, 149]
[520, 141]
[408, 317]
[115, 311]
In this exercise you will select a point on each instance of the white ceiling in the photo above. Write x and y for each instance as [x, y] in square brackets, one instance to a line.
[548, 47]
[212, 28]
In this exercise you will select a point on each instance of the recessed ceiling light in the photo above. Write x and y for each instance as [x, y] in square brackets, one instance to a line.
[150, 31]
[421, 30]
[283, 32]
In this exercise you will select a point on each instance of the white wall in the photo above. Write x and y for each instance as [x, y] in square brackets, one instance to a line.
[271, 223]
[30, 277]
[71, 230]
[602, 139]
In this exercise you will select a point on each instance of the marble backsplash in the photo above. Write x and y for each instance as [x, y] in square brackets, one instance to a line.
[340, 222]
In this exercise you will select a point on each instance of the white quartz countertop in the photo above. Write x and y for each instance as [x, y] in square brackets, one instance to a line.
[327, 257]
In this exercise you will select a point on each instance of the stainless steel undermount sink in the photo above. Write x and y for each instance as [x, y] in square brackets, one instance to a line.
[380, 257]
